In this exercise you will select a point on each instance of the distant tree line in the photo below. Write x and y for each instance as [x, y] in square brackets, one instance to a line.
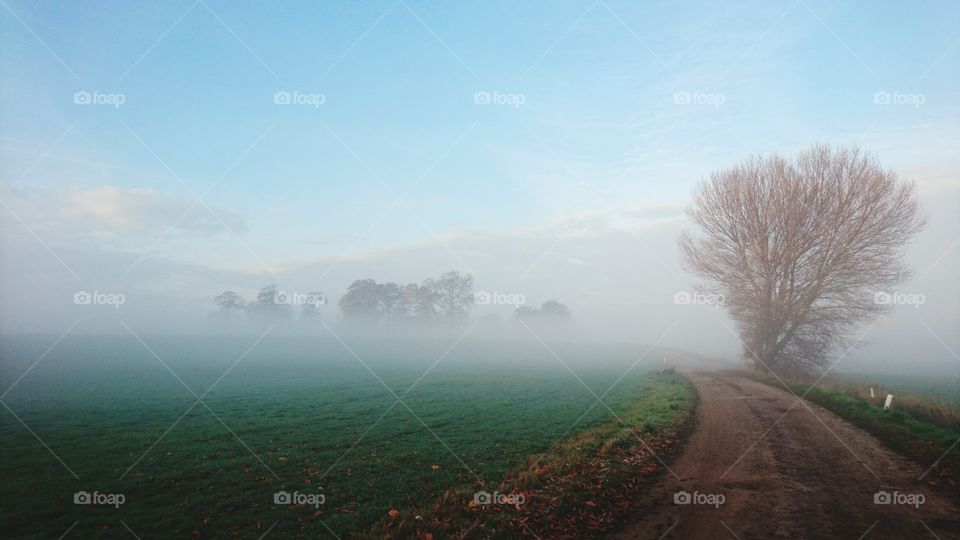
[448, 299]
[271, 304]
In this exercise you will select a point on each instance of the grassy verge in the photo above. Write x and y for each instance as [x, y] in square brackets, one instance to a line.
[922, 430]
[579, 487]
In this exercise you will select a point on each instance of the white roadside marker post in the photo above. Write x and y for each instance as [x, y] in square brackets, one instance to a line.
[889, 402]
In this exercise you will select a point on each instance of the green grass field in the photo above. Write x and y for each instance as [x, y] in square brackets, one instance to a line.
[318, 419]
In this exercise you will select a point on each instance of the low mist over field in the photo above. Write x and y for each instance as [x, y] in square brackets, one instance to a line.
[618, 271]
[130, 172]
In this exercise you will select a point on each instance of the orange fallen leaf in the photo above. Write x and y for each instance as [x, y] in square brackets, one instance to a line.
[393, 512]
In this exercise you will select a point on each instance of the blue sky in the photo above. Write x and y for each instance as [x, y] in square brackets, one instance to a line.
[608, 110]
[597, 79]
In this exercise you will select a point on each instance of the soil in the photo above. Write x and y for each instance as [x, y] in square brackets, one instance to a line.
[787, 468]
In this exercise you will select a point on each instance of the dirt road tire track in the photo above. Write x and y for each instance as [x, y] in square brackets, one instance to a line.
[812, 476]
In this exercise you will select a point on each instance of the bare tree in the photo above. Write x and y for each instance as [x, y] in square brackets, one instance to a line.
[453, 293]
[231, 305]
[362, 301]
[269, 305]
[799, 249]
[229, 301]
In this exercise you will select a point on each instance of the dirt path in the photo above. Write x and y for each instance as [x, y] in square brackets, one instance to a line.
[786, 479]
